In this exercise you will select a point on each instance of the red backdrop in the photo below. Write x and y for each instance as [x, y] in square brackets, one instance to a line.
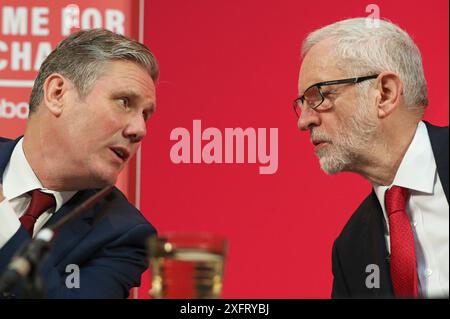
[235, 64]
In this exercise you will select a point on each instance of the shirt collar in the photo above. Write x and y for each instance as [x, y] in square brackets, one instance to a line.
[417, 169]
[19, 178]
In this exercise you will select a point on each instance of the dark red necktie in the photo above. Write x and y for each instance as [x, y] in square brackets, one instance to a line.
[403, 253]
[40, 202]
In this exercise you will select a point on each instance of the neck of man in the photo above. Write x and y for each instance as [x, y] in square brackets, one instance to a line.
[40, 146]
[383, 157]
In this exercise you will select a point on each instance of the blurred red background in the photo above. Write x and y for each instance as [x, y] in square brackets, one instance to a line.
[235, 64]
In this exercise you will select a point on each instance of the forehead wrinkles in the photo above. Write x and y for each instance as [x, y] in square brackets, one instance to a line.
[126, 73]
[128, 78]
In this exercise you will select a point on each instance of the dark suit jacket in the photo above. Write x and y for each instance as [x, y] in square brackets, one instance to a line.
[108, 248]
[362, 241]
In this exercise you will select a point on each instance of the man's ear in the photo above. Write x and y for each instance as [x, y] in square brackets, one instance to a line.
[389, 91]
[55, 86]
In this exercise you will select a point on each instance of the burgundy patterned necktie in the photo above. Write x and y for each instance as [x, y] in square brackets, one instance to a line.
[403, 253]
[40, 202]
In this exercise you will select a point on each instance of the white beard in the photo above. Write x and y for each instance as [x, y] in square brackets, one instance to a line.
[353, 139]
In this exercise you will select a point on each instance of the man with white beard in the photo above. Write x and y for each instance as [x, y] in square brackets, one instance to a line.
[362, 96]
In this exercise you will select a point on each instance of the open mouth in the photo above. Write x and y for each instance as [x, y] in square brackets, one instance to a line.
[319, 144]
[316, 143]
[121, 153]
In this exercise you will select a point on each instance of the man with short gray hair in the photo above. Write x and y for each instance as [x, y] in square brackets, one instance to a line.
[88, 111]
[362, 96]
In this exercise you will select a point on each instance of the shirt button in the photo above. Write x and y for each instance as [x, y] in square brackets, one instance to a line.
[428, 272]
[414, 223]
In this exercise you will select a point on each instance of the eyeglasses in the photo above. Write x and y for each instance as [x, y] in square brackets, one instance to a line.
[314, 97]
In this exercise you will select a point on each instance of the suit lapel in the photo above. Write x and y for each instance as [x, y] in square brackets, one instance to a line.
[375, 245]
[71, 233]
[6, 150]
[439, 144]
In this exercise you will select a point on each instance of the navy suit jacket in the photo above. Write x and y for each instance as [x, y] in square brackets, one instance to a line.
[362, 241]
[107, 242]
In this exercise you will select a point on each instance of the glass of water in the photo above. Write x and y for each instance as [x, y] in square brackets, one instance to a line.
[186, 265]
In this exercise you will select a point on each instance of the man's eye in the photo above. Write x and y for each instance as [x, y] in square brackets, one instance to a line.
[124, 101]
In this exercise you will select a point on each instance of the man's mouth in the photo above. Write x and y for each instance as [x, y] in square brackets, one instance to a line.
[319, 144]
[121, 152]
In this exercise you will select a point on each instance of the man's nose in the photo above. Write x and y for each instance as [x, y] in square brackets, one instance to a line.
[308, 119]
[136, 129]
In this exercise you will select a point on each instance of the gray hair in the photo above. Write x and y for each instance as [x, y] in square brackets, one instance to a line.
[364, 49]
[81, 57]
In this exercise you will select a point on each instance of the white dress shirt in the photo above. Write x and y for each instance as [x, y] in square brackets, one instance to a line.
[428, 210]
[18, 179]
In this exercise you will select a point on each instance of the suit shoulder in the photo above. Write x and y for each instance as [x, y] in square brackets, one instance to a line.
[438, 134]
[122, 212]
[4, 140]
